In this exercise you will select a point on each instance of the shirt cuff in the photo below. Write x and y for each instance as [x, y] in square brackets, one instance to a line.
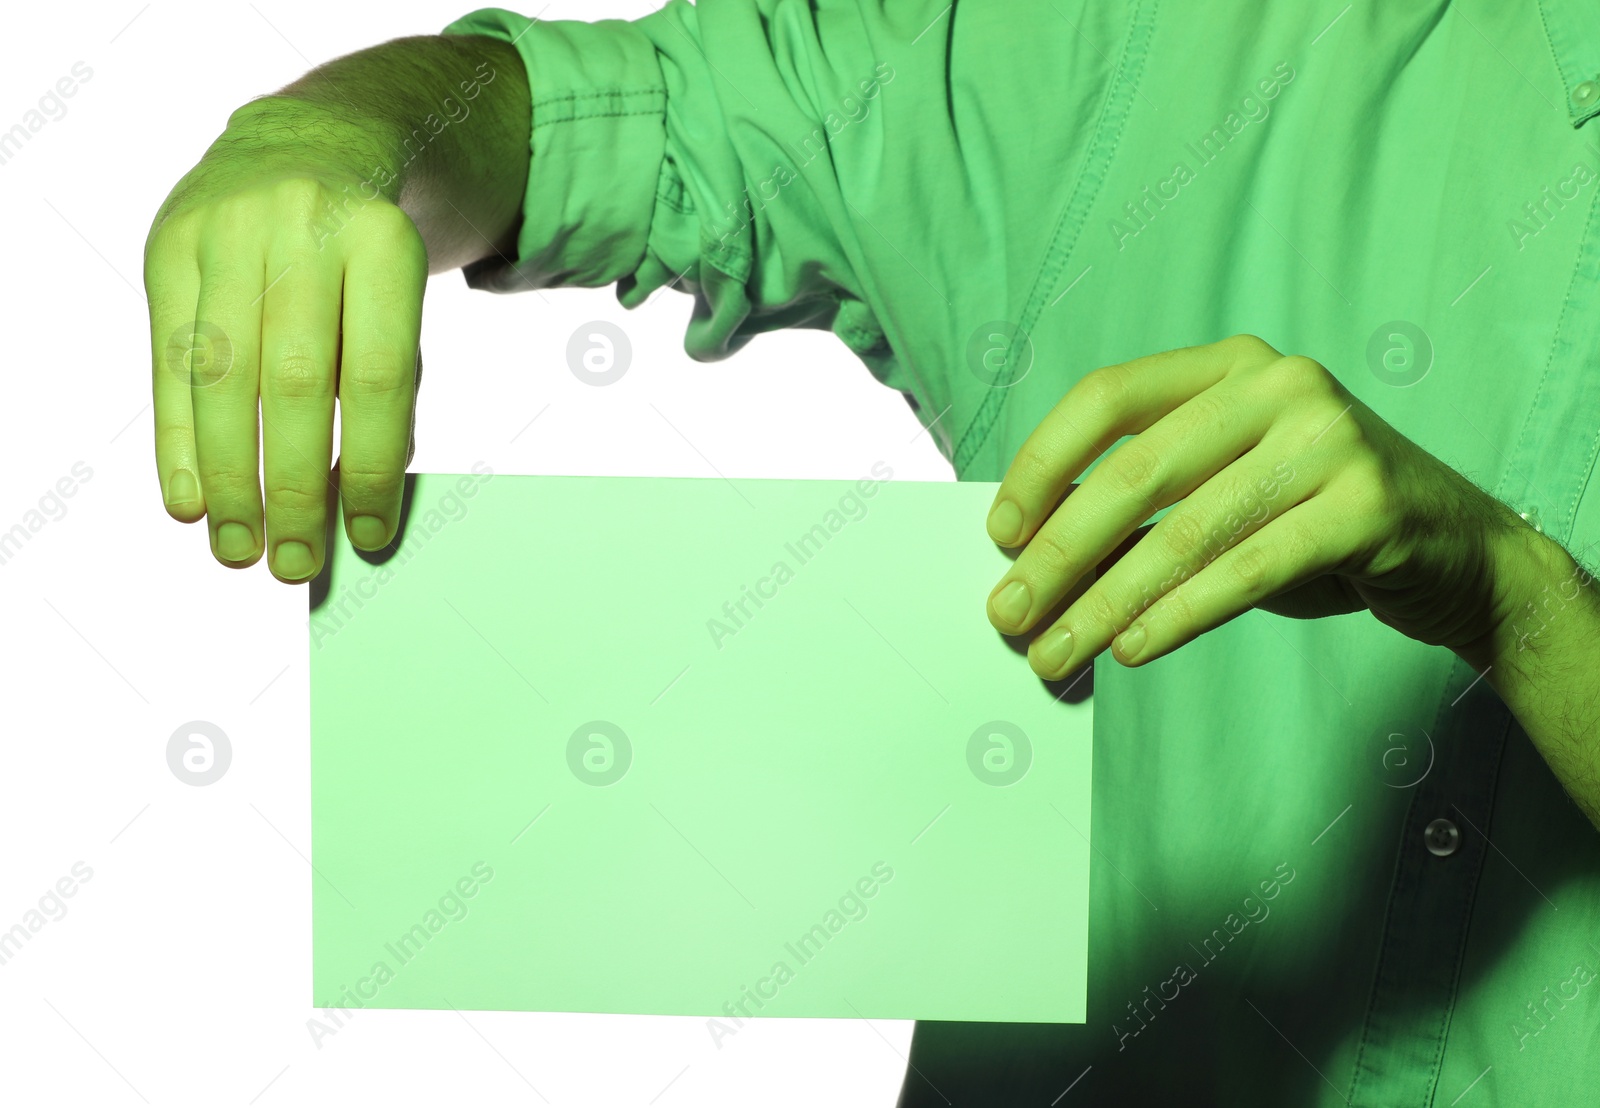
[597, 142]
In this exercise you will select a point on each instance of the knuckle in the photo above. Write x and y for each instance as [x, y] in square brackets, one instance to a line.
[1182, 536]
[1250, 346]
[1209, 413]
[377, 374]
[392, 222]
[375, 485]
[1302, 376]
[1176, 608]
[1250, 567]
[230, 237]
[1334, 425]
[299, 197]
[1300, 548]
[177, 227]
[1371, 495]
[1101, 390]
[170, 243]
[1128, 607]
[1099, 611]
[298, 373]
[1047, 551]
[1135, 468]
[205, 373]
[1132, 608]
[386, 225]
[230, 221]
[295, 501]
[1342, 433]
[229, 483]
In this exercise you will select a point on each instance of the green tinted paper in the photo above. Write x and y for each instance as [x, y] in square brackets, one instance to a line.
[699, 747]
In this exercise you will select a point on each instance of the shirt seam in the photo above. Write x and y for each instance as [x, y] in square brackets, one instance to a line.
[1469, 897]
[575, 112]
[598, 93]
[1584, 249]
[1550, 45]
[598, 115]
[1095, 162]
[670, 192]
[1563, 525]
[1400, 879]
[1575, 117]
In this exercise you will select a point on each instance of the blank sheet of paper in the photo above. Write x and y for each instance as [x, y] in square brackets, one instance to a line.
[730, 749]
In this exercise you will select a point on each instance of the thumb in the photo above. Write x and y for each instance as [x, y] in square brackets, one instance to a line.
[411, 449]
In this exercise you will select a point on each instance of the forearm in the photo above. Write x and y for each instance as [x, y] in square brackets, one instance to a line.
[444, 124]
[1545, 662]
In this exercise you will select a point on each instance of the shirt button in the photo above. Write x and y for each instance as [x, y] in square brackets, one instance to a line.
[1532, 518]
[1586, 94]
[1442, 837]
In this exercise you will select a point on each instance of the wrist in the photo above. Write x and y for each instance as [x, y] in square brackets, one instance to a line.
[312, 134]
[1540, 584]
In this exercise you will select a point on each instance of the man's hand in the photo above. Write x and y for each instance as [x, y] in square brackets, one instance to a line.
[1296, 498]
[288, 268]
[277, 270]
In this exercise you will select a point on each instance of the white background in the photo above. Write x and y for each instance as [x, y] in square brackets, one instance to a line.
[180, 972]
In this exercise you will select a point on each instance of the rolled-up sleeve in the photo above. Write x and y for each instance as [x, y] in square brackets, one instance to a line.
[596, 146]
[695, 147]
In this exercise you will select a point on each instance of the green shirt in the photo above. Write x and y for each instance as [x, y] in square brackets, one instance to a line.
[1404, 191]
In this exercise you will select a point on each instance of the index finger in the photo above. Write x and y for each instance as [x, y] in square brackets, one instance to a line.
[1104, 406]
[386, 277]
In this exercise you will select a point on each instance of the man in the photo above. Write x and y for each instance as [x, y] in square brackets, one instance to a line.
[1320, 283]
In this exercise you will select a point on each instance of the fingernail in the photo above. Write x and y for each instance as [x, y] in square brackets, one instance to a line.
[182, 488]
[1054, 650]
[1131, 642]
[1012, 602]
[368, 532]
[1005, 522]
[293, 560]
[235, 542]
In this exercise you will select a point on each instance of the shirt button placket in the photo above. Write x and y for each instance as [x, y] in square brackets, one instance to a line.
[1442, 837]
[1419, 962]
